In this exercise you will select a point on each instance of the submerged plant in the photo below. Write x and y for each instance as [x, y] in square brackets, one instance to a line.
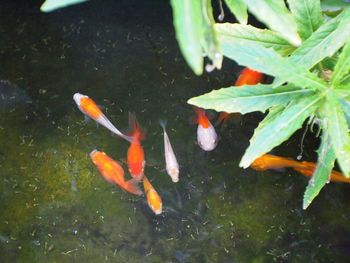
[307, 52]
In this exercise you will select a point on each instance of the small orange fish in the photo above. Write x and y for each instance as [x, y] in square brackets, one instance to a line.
[136, 157]
[268, 161]
[206, 136]
[153, 199]
[90, 108]
[247, 77]
[113, 172]
[334, 177]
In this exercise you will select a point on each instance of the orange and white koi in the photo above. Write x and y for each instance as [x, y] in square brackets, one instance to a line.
[89, 108]
[247, 77]
[136, 156]
[113, 172]
[207, 138]
[172, 167]
[153, 199]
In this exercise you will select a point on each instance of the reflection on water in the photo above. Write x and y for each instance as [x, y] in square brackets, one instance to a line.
[55, 207]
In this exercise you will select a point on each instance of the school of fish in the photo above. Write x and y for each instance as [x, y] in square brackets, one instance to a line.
[207, 140]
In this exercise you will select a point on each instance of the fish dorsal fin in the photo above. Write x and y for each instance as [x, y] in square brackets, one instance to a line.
[201, 118]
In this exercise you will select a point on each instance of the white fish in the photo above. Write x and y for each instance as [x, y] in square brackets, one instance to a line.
[172, 167]
[90, 108]
[206, 136]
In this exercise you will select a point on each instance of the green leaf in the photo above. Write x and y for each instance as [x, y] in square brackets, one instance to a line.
[333, 5]
[269, 62]
[346, 80]
[231, 32]
[336, 126]
[343, 65]
[209, 41]
[52, 5]
[307, 15]
[248, 98]
[328, 39]
[276, 16]
[321, 175]
[278, 126]
[188, 23]
[343, 91]
[239, 9]
[346, 107]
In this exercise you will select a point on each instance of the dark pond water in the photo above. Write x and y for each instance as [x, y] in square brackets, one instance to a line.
[55, 207]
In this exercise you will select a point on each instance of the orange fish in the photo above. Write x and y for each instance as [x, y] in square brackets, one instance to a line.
[89, 108]
[268, 161]
[334, 177]
[207, 138]
[247, 77]
[153, 199]
[113, 172]
[136, 157]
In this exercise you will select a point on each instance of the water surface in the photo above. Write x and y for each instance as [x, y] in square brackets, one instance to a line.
[55, 207]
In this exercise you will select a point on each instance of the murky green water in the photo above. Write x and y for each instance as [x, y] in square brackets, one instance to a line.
[55, 207]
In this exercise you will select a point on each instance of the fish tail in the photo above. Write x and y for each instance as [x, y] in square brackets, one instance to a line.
[132, 186]
[335, 176]
[135, 130]
[163, 122]
[200, 114]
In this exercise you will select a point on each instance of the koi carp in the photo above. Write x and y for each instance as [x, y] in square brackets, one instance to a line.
[207, 138]
[172, 167]
[113, 172]
[136, 157]
[88, 107]
[153, 199]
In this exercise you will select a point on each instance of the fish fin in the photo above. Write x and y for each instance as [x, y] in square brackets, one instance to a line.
[87, 119]
[199, 112]
[163, 122]
[132, 186]
[124, 161]
[102, 108]
[210, 114]
[135, 130]
[224, 118]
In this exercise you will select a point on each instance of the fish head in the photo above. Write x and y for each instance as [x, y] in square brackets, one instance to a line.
[77, 97]
[174, 174]
[259, 163]
[154, 201]
[207, 138]
[136, 169]
[97, 157]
